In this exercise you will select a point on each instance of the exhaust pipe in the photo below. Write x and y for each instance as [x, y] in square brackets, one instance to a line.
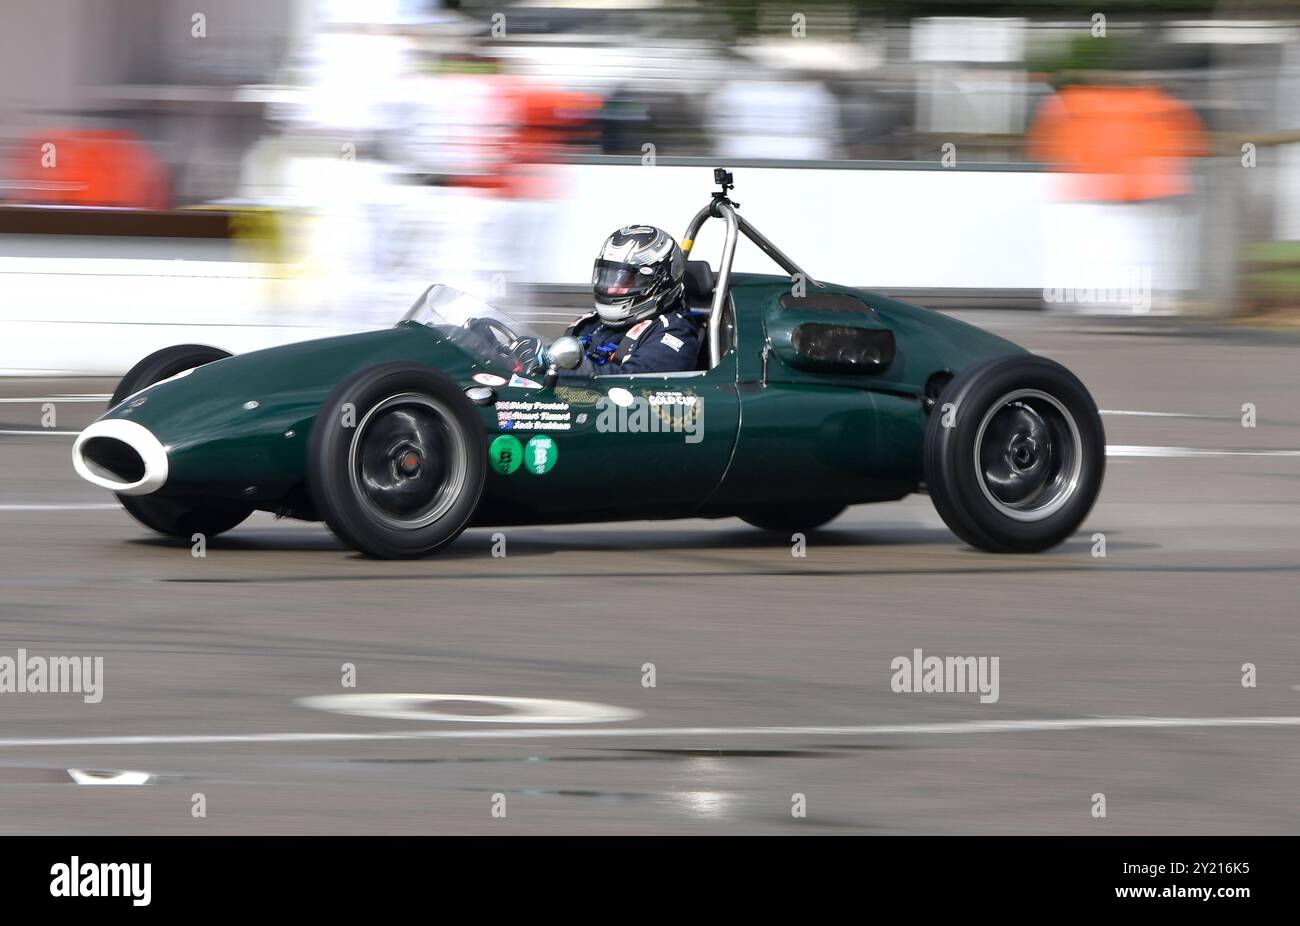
[120, 456]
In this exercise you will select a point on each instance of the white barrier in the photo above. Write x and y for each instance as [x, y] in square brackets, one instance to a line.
[98, 316]
[883, 228]
[922, 229]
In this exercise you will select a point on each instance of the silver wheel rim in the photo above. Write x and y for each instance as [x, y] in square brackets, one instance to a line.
[407, 462]
[1028, 455]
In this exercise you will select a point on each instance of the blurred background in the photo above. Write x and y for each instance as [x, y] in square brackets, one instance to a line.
[277, 169]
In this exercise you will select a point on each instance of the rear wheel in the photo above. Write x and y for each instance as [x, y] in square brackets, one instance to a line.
[166, 516]
[1014, 454]
[397, 460]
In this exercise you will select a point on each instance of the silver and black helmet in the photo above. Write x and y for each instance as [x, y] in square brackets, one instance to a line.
[639, 271]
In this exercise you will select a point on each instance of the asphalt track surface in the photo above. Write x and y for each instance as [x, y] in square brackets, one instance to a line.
[1119, 675]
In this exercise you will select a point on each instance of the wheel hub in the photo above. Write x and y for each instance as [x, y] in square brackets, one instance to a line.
[1022, 452]
[1028, 455]
[408, 462]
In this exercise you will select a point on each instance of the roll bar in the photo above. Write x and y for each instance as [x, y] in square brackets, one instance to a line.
[721, 206]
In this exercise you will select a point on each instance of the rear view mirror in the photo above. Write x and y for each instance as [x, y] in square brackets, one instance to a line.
[565, 352]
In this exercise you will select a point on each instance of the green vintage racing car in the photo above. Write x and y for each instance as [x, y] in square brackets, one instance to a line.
[807, 397]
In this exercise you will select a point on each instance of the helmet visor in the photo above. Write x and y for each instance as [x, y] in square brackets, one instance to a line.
[614, 280]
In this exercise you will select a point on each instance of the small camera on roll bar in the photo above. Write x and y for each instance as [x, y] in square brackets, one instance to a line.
[722, 177]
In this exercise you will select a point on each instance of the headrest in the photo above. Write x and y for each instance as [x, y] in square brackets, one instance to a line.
[699, 284]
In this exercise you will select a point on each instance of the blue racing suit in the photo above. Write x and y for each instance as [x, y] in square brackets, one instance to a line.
[665, 343]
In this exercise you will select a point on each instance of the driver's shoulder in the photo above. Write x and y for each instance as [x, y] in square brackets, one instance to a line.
[681, 321]
[582, 321]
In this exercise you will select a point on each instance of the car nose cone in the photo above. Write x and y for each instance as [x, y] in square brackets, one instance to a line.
[121, 456]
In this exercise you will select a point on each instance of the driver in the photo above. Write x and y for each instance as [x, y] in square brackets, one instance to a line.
[641, 323]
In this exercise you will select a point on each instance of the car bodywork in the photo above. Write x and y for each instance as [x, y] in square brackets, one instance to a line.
[768, 433]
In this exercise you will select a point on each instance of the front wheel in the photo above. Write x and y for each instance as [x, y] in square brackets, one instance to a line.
[397, 460]
[170, 517]
[1014, 454]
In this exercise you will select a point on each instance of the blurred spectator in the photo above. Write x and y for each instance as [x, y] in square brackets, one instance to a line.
[1124, 144]
[538, 123]
[451, 123]
[1118, 239]
[88, 168]
[779, 119]
[634, 114]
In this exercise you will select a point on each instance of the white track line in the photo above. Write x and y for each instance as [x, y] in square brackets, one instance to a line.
[422, 707]
[922, 729]
[1137, 450]
[1114, 411]
[41, 431]
[90, 777]
[88, 506]
[23, 400]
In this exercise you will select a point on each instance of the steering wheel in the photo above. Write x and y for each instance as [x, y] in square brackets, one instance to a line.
[491, 329]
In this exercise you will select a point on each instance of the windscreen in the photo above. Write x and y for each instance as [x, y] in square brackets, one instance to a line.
[468, 321]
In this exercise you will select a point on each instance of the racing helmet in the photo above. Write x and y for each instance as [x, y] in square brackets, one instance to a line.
[639, 271]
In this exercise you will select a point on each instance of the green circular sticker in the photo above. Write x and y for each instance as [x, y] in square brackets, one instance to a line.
[505, 454]
[540, 454]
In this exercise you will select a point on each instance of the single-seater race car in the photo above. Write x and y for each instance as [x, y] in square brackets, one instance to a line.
[807, 397]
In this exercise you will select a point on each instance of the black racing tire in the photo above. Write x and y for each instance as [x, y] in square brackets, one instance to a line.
[164, 363]
[793, 518]
[167, 516]
[397, 460]
[1014, 454]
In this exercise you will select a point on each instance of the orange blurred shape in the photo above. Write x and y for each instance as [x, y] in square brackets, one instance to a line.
[88, 168]
[544, 117]
[1122, 144]
[536, 119]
